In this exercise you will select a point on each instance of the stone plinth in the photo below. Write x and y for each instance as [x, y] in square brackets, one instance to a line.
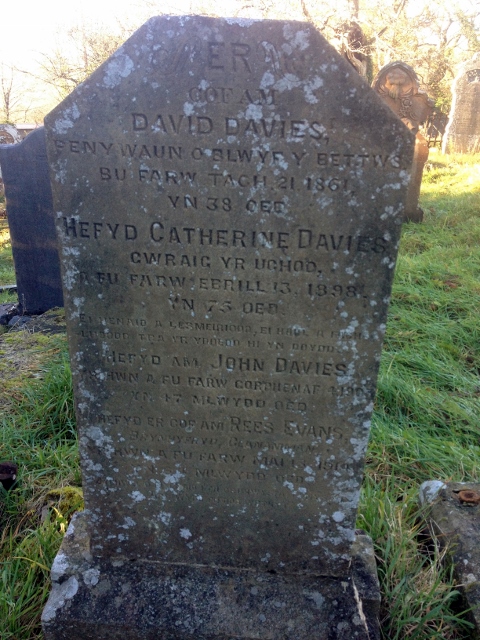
[138, 600]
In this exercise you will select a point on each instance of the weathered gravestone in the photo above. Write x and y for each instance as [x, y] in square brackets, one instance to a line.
[463, 130]
[453, 516]
[31, 223]
[9, 134]
[398, 85]
[229, 198]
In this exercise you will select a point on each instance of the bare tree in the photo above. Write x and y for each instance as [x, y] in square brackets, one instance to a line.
[78, 53]
[13, 105]
[432, 38]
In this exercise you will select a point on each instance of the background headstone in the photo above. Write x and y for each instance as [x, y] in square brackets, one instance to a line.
[32, 227]
[434, 128]
[463, 129]
[453, 517]
[398, 85]
[229, 197]
[9, 134]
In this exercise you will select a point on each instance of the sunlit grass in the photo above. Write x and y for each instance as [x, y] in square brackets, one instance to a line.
[7, 272]
[38, 432]
[426, 423]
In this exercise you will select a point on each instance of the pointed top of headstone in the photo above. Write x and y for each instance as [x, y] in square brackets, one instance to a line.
[208, 57]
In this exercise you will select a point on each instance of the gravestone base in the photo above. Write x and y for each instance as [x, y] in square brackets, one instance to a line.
[96, 599]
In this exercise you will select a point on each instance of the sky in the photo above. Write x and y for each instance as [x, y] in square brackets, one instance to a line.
[33, 31]
[28, 33]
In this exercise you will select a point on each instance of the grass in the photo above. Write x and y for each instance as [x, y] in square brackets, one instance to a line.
[426, 424]
[38, 432]
[7, 272]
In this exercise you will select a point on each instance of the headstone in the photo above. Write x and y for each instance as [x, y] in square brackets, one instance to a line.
[9, 134]
[453, 516]
[398, 85]
[32, 227]
[414, 213]
[434, 128]
[229, 197]
[463, 129]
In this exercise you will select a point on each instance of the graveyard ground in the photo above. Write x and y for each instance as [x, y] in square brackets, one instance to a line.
[426, 422]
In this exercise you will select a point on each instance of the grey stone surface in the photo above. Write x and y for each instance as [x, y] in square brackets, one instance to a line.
[229, 197]
[32, 227]
[429, 491]
[19, 321]
[145, 600]
[463, 130]
[454, 519]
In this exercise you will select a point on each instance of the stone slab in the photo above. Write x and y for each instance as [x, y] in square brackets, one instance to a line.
[462, 134]
[30, 219]
[138, 600]
[454, 519]
[229, 197]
